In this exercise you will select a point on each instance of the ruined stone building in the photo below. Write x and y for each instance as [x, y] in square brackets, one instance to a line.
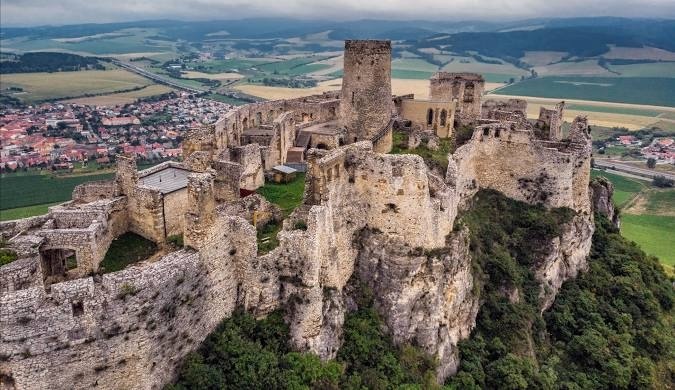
[385, 220]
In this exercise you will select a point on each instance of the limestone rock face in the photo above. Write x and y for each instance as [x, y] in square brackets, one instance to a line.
[426, 298]
[566, 258]
[601, 196]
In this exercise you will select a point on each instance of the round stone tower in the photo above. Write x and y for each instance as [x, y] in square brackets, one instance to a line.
[365, 106]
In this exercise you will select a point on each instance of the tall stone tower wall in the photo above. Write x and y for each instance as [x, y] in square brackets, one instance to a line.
[365, 106]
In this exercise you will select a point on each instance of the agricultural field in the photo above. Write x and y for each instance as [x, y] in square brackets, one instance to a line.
[581, 68]
[233, 65]
[123, 42]
[655, 69]
[645, 90]
[294, 67]
[122, 98]
[647, 215]
[34, 189]
[225, 76]
[25, 212]
[498, 73]
[47, 86]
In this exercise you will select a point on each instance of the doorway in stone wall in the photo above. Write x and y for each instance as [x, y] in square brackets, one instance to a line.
[56, 262]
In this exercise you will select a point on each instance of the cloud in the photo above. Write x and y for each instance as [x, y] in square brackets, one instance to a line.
[57, 12]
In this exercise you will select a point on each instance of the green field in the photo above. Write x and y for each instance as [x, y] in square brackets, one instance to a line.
[654, 234]
[294, 67]
[655, 69]
[47, 86]
[410, 74]
[230, 65]
[613, 110]
[25, 212]
[644, 90]
[660, 201]
[413, 64]
[40, 189]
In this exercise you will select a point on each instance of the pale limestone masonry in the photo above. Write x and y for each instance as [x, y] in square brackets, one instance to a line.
[466, 89]
[367, 217]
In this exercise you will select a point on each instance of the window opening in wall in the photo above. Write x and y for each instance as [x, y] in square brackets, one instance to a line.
[444, 116]
[430, 116]
[78, 308]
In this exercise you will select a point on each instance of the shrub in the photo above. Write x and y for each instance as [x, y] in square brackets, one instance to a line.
[662, 181]
[176, 240]
[7, 256]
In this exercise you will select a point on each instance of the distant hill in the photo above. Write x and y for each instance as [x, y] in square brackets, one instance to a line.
[48, 62]
[578, 37]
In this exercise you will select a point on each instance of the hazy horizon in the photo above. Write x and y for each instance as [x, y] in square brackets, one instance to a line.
[27, 13]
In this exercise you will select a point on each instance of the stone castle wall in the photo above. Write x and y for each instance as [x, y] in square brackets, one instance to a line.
[122, 330]
[513, 162]
[436, 116]
[365, 103]
[464, 88]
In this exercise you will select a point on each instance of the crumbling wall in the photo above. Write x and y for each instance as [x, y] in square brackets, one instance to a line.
[512, 161]
[174, 208]
[128, 329]
[227, 180]
[464, 88]
[249, 157]
[510, 105]
[145, 213]
[94, 190]
[228, 130]
[550, 122]
[126, 175]
[21, 274]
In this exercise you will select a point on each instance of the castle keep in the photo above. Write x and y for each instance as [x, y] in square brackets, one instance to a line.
[366, 215]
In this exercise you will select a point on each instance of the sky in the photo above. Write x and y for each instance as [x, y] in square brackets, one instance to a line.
[59, 12]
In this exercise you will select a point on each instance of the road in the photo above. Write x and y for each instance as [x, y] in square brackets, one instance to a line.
[155, 77]
[620, 167]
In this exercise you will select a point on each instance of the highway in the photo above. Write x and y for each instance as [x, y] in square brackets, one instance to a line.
[621, 167]
[155, 77]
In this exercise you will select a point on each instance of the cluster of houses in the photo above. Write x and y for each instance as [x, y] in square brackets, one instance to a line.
[661, 149]
[55, 135]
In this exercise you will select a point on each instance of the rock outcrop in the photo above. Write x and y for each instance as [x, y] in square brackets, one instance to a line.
[602, 191]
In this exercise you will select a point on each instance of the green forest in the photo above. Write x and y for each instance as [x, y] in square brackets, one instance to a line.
[611, 328]
[48, 62]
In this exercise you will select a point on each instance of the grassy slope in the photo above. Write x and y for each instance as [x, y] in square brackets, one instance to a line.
[651, 231]
[654, 233]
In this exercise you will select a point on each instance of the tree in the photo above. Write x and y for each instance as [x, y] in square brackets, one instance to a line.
[651, 163]
[662, 182]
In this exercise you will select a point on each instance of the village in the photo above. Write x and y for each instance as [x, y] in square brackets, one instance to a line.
[58, 135]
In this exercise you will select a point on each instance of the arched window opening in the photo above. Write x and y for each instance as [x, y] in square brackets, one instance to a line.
[430, 116]
[444, 117]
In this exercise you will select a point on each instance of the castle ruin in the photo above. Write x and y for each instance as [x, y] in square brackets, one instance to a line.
[366, 214]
